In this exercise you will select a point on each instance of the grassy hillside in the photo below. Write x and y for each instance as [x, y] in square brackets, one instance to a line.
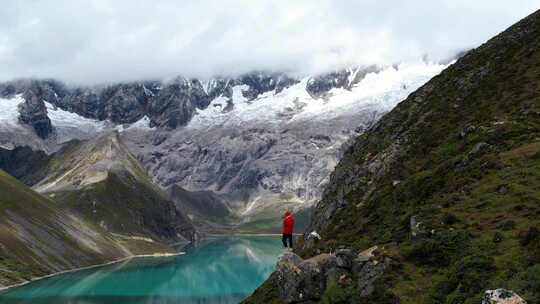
[37, 237]
[125, 206]
[448, 182]
[97, 205]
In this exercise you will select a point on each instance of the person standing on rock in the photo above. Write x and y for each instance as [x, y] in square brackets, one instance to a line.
[288, 228]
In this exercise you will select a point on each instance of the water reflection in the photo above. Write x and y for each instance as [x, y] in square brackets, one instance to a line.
[222, 271]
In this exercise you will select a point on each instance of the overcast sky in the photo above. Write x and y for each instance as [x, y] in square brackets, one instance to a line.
[120, 40]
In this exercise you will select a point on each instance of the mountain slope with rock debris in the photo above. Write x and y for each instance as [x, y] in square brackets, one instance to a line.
[257, 142]
[446, 186]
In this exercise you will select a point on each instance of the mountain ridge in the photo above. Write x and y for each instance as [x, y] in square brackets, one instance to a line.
[442, 185]
[261, 141]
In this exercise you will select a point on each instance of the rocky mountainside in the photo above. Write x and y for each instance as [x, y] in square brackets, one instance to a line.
[257, 142]
[39, 236]
[260, 155]
[101, 181]
[444, 184]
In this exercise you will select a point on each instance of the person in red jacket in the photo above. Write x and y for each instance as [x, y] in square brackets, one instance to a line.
[288, 227]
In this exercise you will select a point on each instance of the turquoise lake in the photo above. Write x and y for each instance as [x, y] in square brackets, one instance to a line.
[222, 270]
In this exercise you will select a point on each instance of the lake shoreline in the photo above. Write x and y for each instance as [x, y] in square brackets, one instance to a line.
[157, 255]
[209, 236]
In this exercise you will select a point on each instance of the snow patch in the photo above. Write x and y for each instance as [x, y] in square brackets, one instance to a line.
[141, 124]
[67, 120]
[377, 91]
[237, 94]
[9, 110]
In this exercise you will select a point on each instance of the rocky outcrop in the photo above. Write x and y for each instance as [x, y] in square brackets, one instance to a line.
[168, 104]
[502, 296]
[320, 85]
[24, 164]
[34, 113]
[305, 281]
[258, 141]
[260, 82]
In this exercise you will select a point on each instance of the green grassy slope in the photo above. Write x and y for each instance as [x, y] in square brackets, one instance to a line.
[37, 237]
[123, 205]
[460, 156]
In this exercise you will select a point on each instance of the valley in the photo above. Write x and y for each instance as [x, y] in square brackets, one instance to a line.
[263, 144]
[334, 152]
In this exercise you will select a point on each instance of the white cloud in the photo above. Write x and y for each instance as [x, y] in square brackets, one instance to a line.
[99, 41]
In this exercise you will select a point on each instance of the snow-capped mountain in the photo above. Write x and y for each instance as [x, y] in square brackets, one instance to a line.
[258, 141]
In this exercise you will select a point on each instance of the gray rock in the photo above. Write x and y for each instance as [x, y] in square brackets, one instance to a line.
[502, 296]
[466, 131]
[306, 280]
[369, 273]
[320, 85]
[502, 189]
[289, 258]
[366, 255]
[477, 149]
[417, 228]
[344, 258]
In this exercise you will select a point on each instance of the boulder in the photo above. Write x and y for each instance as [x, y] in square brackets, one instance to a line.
[300, 281]
[288, 278]
[502, 296]
[367, 254]
[344, 258]
[289, 258]
[304, 281]
[418, 231]
[368, 273]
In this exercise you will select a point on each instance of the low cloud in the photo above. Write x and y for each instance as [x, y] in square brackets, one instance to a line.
[107, 41]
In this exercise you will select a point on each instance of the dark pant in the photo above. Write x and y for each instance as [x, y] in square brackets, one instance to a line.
[285, 238]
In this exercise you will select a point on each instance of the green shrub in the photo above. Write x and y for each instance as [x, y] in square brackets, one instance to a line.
[464, 279]
[450, 219]
[532, 279]
[497, 237]
[438, 250]
[507, 225]
[335, 294]
[529, 236]
[530, 239]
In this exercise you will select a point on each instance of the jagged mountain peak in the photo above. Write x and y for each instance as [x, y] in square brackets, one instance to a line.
[258, 140]
[168, 104]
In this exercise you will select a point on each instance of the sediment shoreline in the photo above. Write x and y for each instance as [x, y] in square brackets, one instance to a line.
[157, 255]
[4, 288]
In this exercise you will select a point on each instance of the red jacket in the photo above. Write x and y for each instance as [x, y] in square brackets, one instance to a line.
[288, 223]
